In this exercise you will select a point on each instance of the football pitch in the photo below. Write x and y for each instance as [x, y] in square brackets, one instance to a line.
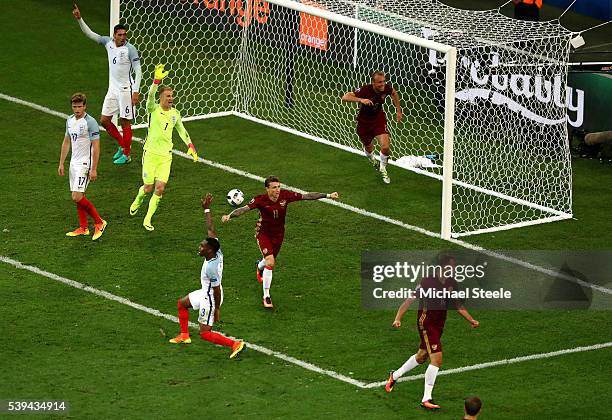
[89, 322]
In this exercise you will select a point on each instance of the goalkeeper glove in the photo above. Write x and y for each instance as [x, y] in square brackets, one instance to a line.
[192, 152]
[159, 73]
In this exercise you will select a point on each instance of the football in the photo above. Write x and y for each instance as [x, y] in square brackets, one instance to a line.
[235, 197]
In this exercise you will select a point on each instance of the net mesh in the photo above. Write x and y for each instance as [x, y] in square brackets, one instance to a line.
[288, 68]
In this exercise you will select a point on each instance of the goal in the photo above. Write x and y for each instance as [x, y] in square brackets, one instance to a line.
[482, 94]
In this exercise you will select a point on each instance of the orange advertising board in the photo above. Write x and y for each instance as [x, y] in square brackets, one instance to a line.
[313, 29]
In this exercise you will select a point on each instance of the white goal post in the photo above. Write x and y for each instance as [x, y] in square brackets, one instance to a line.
[483, 96]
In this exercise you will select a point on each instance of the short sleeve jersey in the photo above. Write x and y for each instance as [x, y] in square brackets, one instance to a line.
[272, 214]
[212, 271]
[375, 111]
[81, 132]
[121, 61]
[435, 309]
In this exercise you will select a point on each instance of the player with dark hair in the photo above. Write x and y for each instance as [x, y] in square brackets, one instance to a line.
[472, 408]
[431, 318]
[371, 119]
[207, 300]
[270, 228]
[83, 137]
[123, 89]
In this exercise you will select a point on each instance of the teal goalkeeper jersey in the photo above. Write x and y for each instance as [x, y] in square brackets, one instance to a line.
[161, 126]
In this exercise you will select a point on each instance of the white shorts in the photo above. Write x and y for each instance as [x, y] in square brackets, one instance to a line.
[78, 175]
[118, 102]
[204, 303]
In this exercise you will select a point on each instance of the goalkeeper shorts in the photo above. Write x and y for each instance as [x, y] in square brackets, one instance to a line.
[155, 168]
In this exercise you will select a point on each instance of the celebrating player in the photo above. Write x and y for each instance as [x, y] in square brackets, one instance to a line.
[83, 134]
[123, 90]
[371, 119]
[202, 300]
[270, 228]
[157, 154]
[430, 323]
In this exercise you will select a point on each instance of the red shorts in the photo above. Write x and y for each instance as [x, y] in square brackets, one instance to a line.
[430, 338]
[367, 130]
[269, 245]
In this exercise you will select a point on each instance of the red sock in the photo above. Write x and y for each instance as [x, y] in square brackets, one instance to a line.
[114, 133]
[183, 314]
[90, 209]
[127, 140]
[82, 216]
[217, 338]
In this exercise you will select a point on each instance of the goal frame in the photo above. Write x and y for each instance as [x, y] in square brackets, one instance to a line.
[450, 57]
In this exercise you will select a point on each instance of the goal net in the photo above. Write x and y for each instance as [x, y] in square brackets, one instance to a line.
[484, 96]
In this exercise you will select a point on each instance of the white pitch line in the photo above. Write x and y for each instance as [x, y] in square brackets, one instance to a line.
[282, 356]
[155, 312]
[357, 210]
[500, 363]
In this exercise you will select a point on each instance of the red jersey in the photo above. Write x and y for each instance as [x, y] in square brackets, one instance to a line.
[272, 213]
[432, 311]
[375, 111]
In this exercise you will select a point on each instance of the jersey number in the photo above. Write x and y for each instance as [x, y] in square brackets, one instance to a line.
[114, 60]
[166, 126]
[275, 213]
[127, 110]
[74, 137]
[82, 180]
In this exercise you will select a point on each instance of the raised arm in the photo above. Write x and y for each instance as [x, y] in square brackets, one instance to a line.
[317, 195]
[88, 32]
[206, 202]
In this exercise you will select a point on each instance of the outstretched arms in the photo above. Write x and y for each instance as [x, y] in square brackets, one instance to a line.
[238, 212]
[317, 195]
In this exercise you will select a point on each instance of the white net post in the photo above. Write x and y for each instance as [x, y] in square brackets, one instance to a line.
[449, 137]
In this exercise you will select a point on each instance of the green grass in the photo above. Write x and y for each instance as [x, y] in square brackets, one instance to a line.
[112, 361]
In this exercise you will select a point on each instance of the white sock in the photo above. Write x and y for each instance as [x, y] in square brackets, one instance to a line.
[267, 281]
[261, 264]
[383, 160]
[408, 365]
[430, 380]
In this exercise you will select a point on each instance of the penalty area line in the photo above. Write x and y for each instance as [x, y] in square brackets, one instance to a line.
[363, 212]
[502, 362]
[193, 325]
[282, 356]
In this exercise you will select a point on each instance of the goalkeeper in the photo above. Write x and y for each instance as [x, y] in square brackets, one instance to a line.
[157, 153]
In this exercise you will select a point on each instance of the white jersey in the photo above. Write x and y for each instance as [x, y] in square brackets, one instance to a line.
[212, 271]
[82, 132]
[121, 63]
